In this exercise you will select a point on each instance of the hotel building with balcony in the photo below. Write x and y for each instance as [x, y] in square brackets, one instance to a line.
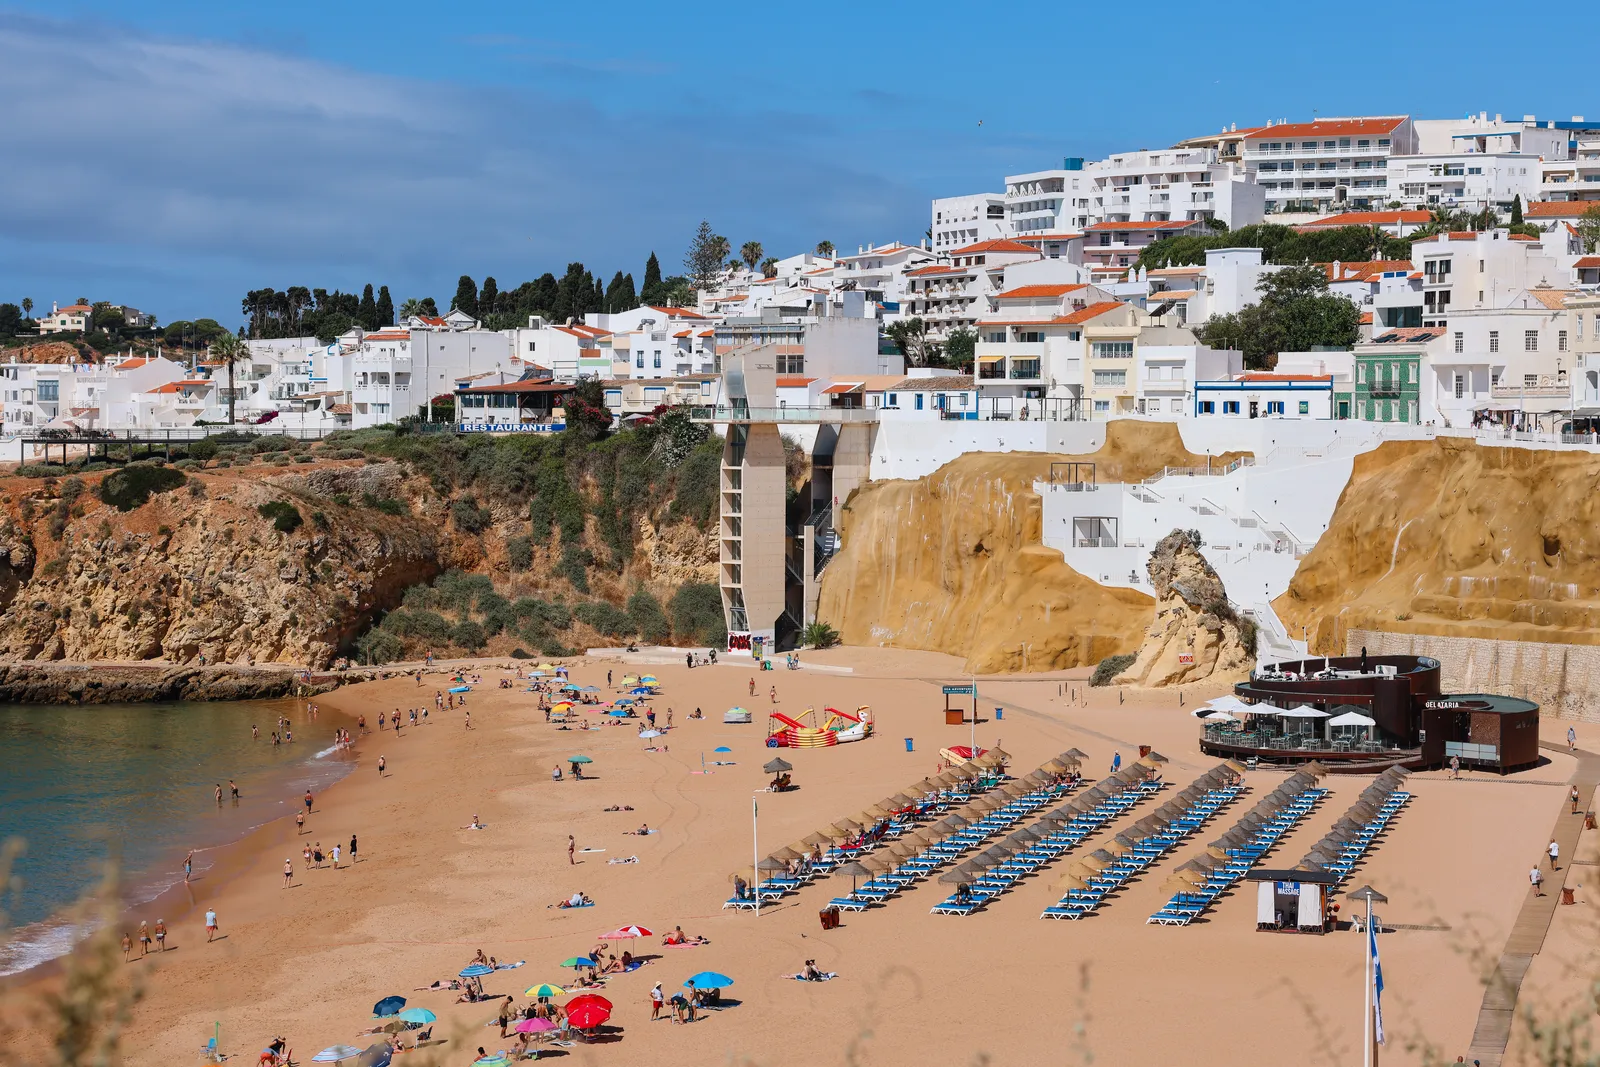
[1325, 166]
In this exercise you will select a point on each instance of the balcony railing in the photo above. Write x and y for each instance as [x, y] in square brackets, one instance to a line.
[729, 413]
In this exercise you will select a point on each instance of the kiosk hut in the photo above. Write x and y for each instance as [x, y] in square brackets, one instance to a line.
[1360, 714]
[1294, 901]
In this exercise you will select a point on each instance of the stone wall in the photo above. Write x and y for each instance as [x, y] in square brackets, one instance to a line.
[1563, 679]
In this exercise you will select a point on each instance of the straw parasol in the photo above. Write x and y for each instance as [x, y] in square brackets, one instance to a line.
[787, 854]
[746, 872]
[894, 803]
[818, 838]
[958, 877]
[1071, 881]
[1057, 766]
[1075, 753]
[847, 824]
[878, 811]
[771, 864]
[854, 870]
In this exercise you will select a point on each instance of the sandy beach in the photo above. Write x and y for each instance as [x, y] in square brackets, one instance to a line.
[309, 961]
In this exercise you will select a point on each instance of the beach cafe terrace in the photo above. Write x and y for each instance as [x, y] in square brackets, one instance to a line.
[1365, 713]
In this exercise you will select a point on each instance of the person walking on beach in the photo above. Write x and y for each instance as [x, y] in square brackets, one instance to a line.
[211, 925]
[382, 763]
[299, 823]
[1116, 762]
[144, 939]
[188, 861]
[234, 789]
[752, 687]
[469, 720]
[219, 794]
[335, 855]
[255, 732]
[656, 1000]
[1572, 739]
[352, 849]
[288, 872]
[572, 848]
[774, 694]
[317, 854]
[308, 802]
[1555, 854]
[127, 946]
[1536, 878]
[1455, 766]
[161, 934]
[688, 660]
[608, 679]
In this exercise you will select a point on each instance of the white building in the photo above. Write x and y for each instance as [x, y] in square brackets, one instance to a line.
[1169, 375]
[966, 220]
[1469, 181]
[955, 293]
[879, 271]
[1504, 363]
[1462, 271]
[1182, 184]
[1259, 395]
[1328, 165]
[73, 317]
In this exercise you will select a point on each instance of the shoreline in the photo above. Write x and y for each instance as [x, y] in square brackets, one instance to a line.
[157, 886]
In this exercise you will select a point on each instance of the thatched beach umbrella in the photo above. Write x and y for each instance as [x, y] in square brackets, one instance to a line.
[958, 876]
[787, 854]
[819, 838]
[847, 824]
[854, 870]
[1069, 882]
[771, 864]
[777, 765]
[1075, 753]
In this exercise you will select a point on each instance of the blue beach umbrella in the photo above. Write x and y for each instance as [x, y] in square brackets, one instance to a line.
[722, 748]
[588, 689]
[476, 970]
[618, 714]
[624, 700]
[388, 1006]
[569, 687]
[708, 980]
[335, 1053]
[461, 689]
[641, 691]
[420, 1016]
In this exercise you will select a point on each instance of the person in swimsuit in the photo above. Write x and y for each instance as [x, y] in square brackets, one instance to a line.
[288, 873]
[161, 934]
[144, 938]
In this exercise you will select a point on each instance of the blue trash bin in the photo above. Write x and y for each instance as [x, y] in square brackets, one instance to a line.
[908, 745]
[999, 713]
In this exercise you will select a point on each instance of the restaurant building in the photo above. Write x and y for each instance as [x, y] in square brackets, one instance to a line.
[1365, 713]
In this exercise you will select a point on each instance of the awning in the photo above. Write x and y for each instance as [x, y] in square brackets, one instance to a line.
[990, 359]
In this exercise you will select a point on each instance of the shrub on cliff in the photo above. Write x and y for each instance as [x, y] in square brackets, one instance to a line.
[574, 561]
[469, 635]
[696, 611]
[1109, 668]
[606, 618]
[379, 646]
[133, 485]
[285, 518]
[468, 516]
[649, 620]
[519, 553]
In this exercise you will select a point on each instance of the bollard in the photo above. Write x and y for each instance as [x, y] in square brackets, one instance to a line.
[908, 745]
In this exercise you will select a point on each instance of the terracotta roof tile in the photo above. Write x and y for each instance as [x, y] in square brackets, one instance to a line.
[1372, 218]
[1329, 128]
[1029, 292]
[1559, 209]
[1001, 245]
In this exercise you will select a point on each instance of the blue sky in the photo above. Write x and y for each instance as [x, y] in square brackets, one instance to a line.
[172, 154]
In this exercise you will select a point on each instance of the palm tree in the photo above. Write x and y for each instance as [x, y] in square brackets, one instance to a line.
[412, 307]
[27, 307]
[769, 267]
[228, 349]
[752, 253]
[723, 250]
[825, 249]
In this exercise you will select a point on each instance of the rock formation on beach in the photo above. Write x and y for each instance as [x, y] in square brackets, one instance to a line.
[1196, 635]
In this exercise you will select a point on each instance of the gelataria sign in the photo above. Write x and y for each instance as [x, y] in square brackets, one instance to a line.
[1458, 705]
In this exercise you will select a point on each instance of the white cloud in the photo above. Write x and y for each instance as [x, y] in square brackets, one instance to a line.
[181, 173]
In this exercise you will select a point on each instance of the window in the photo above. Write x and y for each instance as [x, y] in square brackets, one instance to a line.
[1580, 327]
[1230, 407]
[1274, 407]
[658, 359]
[531, 345]
[995, 337]
[1461, 342]
[1030, 337]
[918, 404]
[1561, 340]
[1112, 350]
[1208, 407]
[1460, 385]
[1305, 407]
[1110, 377]
[638, 359]
[1494, 340]
[1530, 380]
[892, 400]
[1530, 340]
[49, 390]
[1102, 405]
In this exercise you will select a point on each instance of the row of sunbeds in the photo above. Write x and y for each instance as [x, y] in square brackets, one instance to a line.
[1104, 873]
[1240, 848]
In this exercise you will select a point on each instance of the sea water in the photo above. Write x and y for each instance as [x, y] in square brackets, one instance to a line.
[135, 784]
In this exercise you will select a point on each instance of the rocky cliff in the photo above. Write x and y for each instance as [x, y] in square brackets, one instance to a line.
[953, 562]
[1195, 635]
[1454, 539]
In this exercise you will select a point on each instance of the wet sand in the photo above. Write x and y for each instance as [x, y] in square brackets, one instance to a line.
[309, 961]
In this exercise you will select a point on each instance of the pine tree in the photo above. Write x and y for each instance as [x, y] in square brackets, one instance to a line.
[488, 297]
[369, 310]
[466, 298]
[651, 293]
[385, 307]
[1516, 210]
[703, 261]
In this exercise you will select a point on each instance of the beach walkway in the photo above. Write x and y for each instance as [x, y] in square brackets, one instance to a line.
[1498, 1012]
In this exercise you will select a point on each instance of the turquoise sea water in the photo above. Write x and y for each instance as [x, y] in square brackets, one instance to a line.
[79, 785]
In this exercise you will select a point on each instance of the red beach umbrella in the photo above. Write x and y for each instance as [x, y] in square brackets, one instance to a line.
[588, 1011]
[627, 931]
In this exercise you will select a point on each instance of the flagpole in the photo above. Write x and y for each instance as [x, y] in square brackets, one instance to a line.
[755, 854]
[1366, 990]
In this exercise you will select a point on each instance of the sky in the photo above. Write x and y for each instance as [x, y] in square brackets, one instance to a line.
[174, 154]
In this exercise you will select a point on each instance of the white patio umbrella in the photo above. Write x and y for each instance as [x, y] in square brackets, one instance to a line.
[1303, 711]
[1218, 716]
[1229, 703]
[1352, 718]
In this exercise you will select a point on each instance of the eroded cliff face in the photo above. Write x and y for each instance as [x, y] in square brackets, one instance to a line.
[201, 572]
[953, 562]
[1195, 635]
[1454, 539]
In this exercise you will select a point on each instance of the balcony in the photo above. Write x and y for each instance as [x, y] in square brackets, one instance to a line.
[810, 415]
[1546, 390]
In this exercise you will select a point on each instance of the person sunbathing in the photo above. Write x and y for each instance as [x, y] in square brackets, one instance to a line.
[810, 973]
[445, 984]
[481, 958]
[576, 900]
[613, 966]
[627, 961]
[642, 831]
[678, 937]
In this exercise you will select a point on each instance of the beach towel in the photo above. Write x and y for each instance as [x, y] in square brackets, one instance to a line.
[641, 833]
[623, 859]
[634, 966]
[591, 850]
[802, 978]
[686, 944]
[509, 966]
[569, 907]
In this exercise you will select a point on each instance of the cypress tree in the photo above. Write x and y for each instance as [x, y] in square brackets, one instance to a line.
[545, 295]
[466, 298]
[597, 302]
[385, 307]
[651, 293]
[1516, 210]
[368, 316]
[488, 296]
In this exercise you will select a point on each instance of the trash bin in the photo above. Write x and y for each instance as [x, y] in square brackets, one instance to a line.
[829, 917]
[1566, 896]
[908, 745]
[999, 713]
[1588, 821]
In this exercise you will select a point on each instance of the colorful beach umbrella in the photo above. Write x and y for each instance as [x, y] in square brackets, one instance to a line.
[497, 1060]
[640, 691]
[708, 980]
[335, 1053]
[647, 677]
[617, 713]
[580, 961]
[388, 1006]
[567, 687]
[580, 758]
[475, 970]
[628, 931]
[534, 1026]
[623, 701]
[420, 1016]
[545, 989]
